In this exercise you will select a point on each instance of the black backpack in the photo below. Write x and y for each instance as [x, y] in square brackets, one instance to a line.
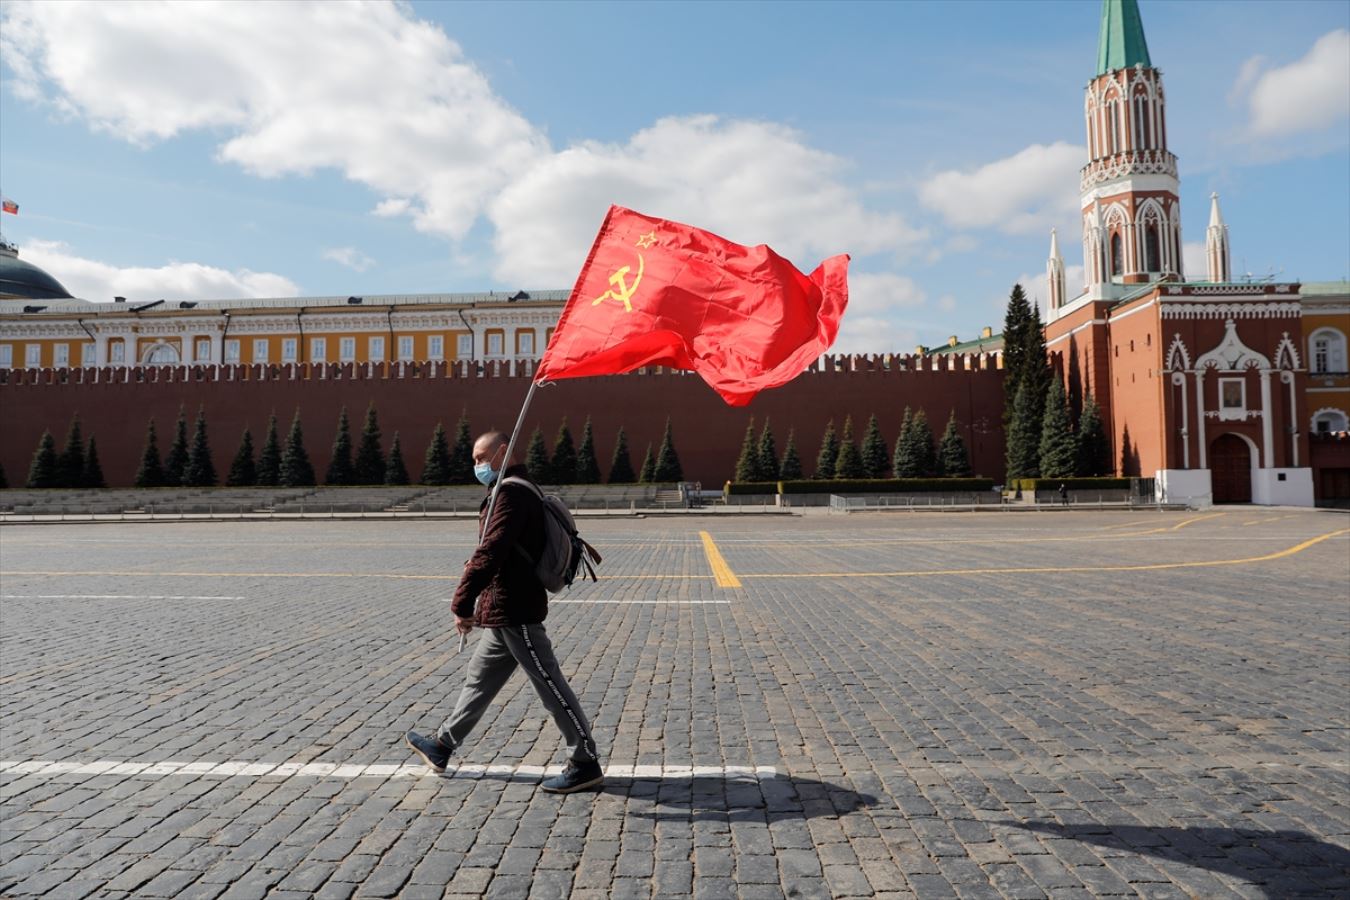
[565, 553]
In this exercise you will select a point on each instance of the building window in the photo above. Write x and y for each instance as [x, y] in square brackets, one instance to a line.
[1330, 421]
[1328, 352]
[375, 349]
[32, 356]
[527, 343]
[260, 350]
[464, 346]
[494, 347]
[347, 349]
[405, 347]
[117, 351]
[161, 354]
[318, 349]
[436, 347]
[6, 356]
[88, 354]
[61, 355]
[203, 351]
[1232, 398]
[1152, 253]
[289, 348]
[231, 351]
[1117, 251]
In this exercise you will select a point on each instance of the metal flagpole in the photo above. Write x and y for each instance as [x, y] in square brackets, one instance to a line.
[497, 483]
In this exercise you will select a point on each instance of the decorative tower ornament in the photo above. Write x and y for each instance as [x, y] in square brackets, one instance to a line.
[1216, 245]
[1129, 188]
[1054, 274]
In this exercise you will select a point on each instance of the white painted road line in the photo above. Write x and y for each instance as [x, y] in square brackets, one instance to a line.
[52, 768]
[111, 597]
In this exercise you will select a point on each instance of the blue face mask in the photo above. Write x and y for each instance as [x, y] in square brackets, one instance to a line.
[484, 473]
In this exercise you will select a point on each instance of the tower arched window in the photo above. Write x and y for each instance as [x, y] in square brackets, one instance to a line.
[1328, 352]
[1113, 126]
[1117, 263]
[1141, 129]
[1152, 263]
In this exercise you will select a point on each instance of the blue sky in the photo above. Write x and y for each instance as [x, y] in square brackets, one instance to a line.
[200, 150]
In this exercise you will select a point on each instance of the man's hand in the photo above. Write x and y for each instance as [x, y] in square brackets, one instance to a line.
[462, 625]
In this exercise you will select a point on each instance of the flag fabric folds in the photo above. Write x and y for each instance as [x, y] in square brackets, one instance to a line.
[658, 293]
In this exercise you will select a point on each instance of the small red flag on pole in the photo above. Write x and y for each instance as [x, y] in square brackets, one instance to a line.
[658, 293]
[9, 206]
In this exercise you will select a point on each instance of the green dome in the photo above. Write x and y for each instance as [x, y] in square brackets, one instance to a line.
[24, 281]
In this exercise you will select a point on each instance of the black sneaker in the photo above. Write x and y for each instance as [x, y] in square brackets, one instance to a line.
[575, 777]
[435, 753]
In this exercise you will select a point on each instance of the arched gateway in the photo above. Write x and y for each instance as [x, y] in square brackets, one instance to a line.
[1230, 461]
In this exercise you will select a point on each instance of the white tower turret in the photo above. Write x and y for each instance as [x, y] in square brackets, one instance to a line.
[1216, 244]
[1054, 273]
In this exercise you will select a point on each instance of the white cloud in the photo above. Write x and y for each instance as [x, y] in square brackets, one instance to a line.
[363, 88]
[1194, 261]
[391, 102]
[1030, 191]
[93, 280]
[752, 182]
[1309, 94]
[871, 323]
[350, 257]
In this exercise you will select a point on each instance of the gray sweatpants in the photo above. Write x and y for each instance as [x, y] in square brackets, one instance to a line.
[495, 657]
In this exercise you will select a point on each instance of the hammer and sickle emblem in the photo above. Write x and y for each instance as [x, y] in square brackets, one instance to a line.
[620, 289]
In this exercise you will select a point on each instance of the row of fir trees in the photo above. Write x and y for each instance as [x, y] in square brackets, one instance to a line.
[287, 464]
[913, 456]
[1043, 441]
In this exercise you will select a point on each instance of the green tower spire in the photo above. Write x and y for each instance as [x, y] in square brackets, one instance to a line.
[1122, 44]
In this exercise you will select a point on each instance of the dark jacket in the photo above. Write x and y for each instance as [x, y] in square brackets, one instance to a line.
[501, 579]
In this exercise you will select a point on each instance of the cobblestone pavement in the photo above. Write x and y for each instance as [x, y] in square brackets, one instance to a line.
[973, 705]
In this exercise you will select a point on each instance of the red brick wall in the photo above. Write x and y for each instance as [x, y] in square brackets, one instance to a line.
[707, 433]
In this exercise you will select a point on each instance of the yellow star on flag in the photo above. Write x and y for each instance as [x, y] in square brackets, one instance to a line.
[647, 240]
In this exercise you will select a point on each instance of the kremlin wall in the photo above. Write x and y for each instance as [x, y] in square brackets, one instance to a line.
[411, 398]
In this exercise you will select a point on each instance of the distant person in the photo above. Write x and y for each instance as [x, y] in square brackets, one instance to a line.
[1063, 494]
[511, 606]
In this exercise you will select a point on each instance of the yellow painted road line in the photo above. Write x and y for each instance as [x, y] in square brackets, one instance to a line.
[1297, 548]
[721, 571]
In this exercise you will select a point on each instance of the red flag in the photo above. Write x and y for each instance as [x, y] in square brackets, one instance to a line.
[9, 206]
[657, 293]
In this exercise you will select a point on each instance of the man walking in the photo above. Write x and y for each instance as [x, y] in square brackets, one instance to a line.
[511, 606]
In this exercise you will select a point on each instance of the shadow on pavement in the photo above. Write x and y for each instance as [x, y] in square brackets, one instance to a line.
[1283, 863]
[767, 798]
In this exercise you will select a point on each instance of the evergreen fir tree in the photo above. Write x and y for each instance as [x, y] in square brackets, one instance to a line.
[92, 476]
[4, 482]
[621, 465]
[151, 471]
[588, 467]
[848, 463]
[242, 471]
[340, 470]
[461, 457]
[668, 469]
[564, 464]
[1016, 325]
[1059, 446]
[536, 458]
[923, 445]
[70, 464]
[791, 467]
[829, 450]
[269, 460]
[747, 464]
[1036, 368]
[369, 465]
[1023, 438]
[436, 464]
[395, 472]
[296, 470]
[953, 461]
[874, 456]
[175, 464]
[45, 469]
[901, 462]
[768, 454]
[1093, 451]
[201, 469]
[648, 473]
